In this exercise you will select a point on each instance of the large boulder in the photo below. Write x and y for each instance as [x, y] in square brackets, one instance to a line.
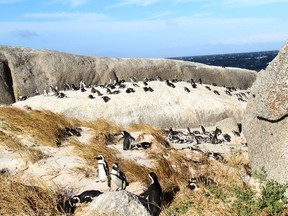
[115, 203]
[38, 69]
[265, 122]
[165, 107]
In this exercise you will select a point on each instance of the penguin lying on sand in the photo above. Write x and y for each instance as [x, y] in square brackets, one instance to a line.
[86, 196]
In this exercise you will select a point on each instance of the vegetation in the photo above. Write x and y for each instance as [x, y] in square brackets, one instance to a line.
[29, 132]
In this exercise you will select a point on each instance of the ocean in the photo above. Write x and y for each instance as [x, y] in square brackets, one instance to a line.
[252, 60]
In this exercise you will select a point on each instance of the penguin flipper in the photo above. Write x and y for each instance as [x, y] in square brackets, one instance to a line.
[109, 181]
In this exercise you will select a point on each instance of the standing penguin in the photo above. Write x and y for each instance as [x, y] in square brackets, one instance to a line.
[127, 140]
[103, 169]
[118, 177]
[153, 195]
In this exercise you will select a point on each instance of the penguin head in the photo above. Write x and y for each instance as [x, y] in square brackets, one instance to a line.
[124, 133]
[153, 177]
[74, 200]
[115, 166]
[193, 186]
[100, 157]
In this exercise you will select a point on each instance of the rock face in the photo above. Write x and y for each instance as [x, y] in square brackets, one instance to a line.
[122, 203]
[38, 69]
[265, 122]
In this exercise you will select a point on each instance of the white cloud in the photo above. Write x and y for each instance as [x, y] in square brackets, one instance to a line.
[69, 16]
[134, 2]
[71, 3]
[230, 3]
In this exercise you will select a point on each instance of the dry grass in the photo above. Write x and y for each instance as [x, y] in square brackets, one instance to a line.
[27, 153]
[172, 167]
[20, 199]
[44, 126]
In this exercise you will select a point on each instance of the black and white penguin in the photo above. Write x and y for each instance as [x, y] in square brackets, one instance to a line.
[106, 99]
[23, 98]
[118, 177]
[84, 197]
[127, 140]
[153, 195]
[91, 96]
[186, 89]
[207, 87]
[216, 156]
[130, 90]
[103, 169]
[170, 84]
[193, 182]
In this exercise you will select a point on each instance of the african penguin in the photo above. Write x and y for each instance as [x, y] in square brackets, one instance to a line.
[103, 169]
[192, 183]
[127, 140]
[153, 195]
[118, 177]
[86, 196]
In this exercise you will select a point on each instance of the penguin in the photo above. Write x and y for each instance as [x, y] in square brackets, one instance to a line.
[216, 156]
[106, 99]
[170, 84]
[84, 197]
[153, 195]
[103, 169]
[91, 96]
[203, 129]
[127, 140]
[23, 98]
[192, 183]
[61, 95]
[130, 90]
[118, 177]
[186, 89]
[207, 87]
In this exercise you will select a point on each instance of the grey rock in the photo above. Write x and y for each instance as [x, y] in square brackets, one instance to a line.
[120, 203]
[38, 69]
[265, 121]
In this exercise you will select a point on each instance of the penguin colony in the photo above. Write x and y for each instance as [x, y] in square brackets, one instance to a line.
[118, 86]
[116, 178]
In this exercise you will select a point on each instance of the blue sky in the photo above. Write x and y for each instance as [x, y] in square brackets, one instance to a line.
[145, 28]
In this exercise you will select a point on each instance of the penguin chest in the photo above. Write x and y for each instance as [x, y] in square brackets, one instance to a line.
[116, 179]
[102, 172]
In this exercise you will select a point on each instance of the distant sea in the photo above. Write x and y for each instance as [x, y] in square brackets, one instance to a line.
[252, 60]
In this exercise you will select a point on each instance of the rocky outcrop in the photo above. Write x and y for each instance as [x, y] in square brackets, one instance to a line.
[38, 69]
[115, 203]
[265, 123]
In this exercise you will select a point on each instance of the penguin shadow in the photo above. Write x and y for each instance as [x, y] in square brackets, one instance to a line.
[169, 196]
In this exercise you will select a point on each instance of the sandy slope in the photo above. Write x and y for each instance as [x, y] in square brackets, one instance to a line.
[164, 107]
